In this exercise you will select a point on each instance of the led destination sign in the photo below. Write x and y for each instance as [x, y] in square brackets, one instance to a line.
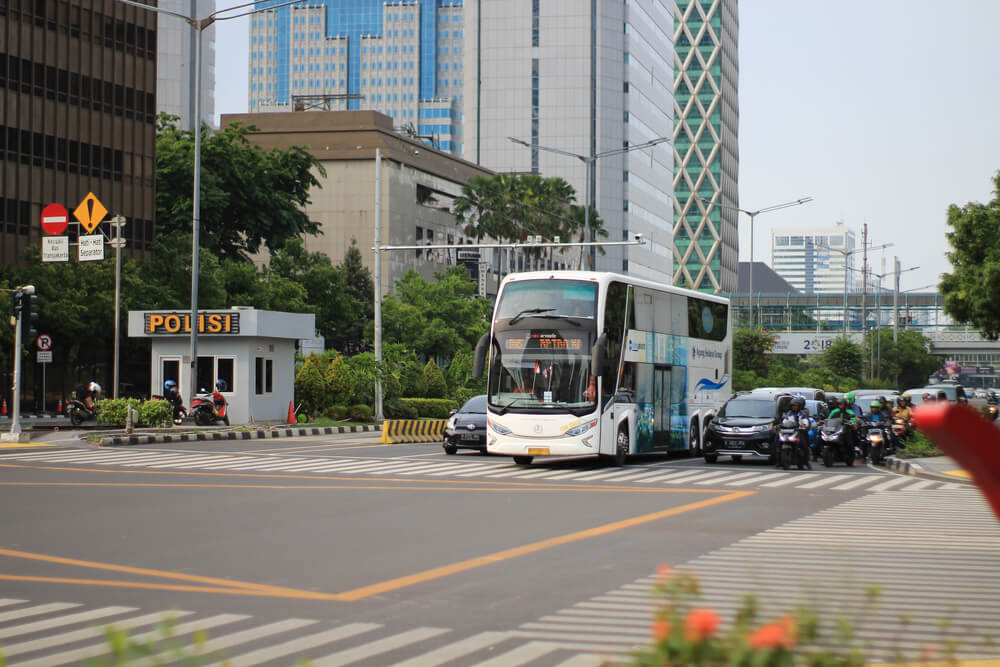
[546, 341]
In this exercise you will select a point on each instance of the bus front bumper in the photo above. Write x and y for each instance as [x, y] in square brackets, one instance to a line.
[511, 446]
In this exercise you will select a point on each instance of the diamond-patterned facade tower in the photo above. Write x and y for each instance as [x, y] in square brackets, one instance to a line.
[706, 150]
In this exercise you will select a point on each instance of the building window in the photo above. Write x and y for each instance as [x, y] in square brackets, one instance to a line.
[781, 240]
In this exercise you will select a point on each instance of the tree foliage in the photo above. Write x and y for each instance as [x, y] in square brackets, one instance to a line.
[750, 348]
[972, 290]
[844, 358]
[906, 362]
[249, 198]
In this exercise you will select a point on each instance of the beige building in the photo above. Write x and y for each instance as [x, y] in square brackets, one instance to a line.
[418, 185]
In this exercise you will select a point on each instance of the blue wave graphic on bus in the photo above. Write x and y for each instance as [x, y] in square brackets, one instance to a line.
[708, 385]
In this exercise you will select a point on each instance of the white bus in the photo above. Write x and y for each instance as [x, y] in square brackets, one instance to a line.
[585, 363]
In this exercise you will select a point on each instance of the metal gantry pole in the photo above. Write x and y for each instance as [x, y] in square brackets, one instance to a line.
[15, 412]
[196, 26]
[378, 283]
[118, 221]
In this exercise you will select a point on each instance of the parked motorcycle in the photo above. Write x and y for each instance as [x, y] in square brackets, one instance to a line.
[78, 412]
[900, 429]
[208, 409]
[792, 451]
[836, 448]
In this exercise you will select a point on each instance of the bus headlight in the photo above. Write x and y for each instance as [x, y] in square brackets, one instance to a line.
[499, 428]
[582, 428]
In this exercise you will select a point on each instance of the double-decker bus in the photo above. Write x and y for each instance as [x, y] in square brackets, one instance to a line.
[586, 363]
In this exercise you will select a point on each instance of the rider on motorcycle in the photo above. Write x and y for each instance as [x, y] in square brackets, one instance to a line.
[797, 411]
[87, 393]
[992, 398]
[172, 396]
[848, 417]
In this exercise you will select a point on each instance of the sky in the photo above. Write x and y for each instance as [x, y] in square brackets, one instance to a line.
[884, 111]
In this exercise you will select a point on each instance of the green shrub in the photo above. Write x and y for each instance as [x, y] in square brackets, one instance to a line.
[462, 394]
[397, 409]
[361, 413]
[337, 412]
[156, 412]
[342, 380]
[918, 445]
[434, 381]
[312, 385]
[435, 408]
[412, 379]
[111, 411]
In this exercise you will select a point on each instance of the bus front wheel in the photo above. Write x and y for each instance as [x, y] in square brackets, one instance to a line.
[523, 460]
[621, 447]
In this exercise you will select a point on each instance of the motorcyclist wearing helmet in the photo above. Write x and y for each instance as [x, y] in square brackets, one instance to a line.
[852, 403]
[797, 411]
[848, 417]
[927, 398]
[219, 399]
[885, 408]
[88, 393]
[903, 410]
[992, 397]
[172, 396]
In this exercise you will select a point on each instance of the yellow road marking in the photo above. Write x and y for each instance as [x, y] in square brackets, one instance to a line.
[508, 554]
[246, 588]
[945, 663]
[18, 445]
[958, 473]
[290, 593]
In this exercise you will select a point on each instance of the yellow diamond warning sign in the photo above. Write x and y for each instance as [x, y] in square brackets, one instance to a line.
[90, 212]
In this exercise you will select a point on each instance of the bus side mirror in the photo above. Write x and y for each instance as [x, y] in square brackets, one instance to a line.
[479, 361]
[599, 356]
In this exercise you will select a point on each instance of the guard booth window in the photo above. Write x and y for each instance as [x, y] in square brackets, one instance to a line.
[224, 372]
[263, 370]
[206, 368]
[170, 369]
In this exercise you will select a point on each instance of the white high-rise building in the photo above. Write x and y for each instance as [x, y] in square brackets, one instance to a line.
[812, 258]
[175, 59]
[587, 78]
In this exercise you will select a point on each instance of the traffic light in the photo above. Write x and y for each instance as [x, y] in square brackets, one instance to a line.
[29, 316]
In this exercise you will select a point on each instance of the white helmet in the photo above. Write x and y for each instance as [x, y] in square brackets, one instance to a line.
[94, 387]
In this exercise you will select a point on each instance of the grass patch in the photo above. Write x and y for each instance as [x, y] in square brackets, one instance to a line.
[326, 421]
[918, 446]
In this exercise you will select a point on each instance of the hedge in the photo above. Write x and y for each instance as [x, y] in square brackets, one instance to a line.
[435, 408]
[154, 412]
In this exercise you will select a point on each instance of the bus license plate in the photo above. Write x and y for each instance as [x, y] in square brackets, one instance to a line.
[538, 451]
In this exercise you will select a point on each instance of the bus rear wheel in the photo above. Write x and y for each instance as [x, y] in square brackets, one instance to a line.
[523, 460]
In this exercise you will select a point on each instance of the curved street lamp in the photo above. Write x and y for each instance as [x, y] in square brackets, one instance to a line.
[753, 215]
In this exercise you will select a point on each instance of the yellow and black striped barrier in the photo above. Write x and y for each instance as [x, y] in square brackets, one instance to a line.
[412, 430]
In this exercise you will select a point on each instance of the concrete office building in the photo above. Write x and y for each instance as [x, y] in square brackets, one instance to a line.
[812, 258]
[401, 58]
[175, 59]
[706, 145]
[583, 77]
[77, 115]
[418, 185]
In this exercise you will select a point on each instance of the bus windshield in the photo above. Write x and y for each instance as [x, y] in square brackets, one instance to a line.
[547, 298]
[542, 370]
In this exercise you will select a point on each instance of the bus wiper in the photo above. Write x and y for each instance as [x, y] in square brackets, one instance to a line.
[530, 311]
[560, 317]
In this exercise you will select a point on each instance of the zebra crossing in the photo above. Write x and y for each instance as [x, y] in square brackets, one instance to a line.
[656, 474]
[931, 555]
[44, 635]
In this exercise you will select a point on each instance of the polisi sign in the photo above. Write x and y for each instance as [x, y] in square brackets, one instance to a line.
[175, 323]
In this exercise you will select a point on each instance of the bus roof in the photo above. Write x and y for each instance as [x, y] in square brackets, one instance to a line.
[606, 276]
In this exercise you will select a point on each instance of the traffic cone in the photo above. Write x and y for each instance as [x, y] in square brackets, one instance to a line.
[3, 408]
[59, 406]
[291, 413]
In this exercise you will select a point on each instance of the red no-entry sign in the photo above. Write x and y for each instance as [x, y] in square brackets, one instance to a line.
[55, 218]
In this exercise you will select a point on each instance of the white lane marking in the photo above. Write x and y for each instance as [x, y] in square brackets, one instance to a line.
[730, 478]
[36, 610]
[860, 481]
[87, 633]
[297, 645]
[521, 655]
[584, 660]
[672, 476]
[919, 485]
[377, 647]
[890, 484]
[791, 478]
[59, 621]
[230, 640]
[704, 475]
[6, 602]
[455, 650]
[100, 649]
[753, 480]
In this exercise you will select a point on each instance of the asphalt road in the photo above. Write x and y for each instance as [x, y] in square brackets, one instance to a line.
[347, 551]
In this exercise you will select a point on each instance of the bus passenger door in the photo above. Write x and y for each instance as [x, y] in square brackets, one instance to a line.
[661, 407]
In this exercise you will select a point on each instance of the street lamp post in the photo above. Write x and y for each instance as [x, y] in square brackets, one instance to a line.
[846, 254]
[199, 26]
[589, 161]
[753, 215]
[878, 308]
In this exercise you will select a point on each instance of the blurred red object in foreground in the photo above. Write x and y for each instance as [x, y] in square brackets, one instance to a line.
[967, 437]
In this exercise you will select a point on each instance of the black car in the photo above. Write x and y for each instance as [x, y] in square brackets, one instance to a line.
[466, 427]
[745, 426]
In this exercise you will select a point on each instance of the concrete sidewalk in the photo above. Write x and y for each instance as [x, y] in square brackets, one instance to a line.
[940, 468]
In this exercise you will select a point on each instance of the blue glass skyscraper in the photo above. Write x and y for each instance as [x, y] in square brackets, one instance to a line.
[401, 58]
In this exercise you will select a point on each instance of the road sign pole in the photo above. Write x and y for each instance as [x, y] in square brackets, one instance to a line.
[118, 221]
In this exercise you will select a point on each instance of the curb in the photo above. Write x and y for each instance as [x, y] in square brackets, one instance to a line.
[259, 434]
[908, 467]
